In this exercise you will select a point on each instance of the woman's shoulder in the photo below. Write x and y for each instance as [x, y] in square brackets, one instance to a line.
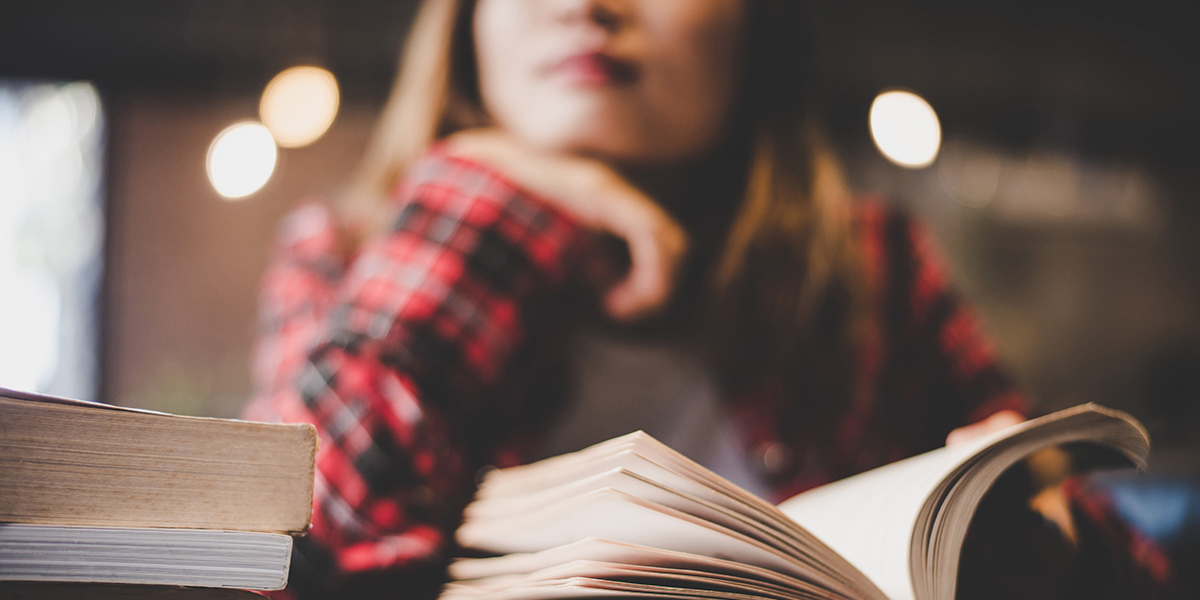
[876, 217]
[882, 230]
[316, 231]
[310, 236]
[901, 255]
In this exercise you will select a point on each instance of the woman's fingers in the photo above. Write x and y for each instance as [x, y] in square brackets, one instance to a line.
[601, 200]
[1047, 470]
[656, 247]
[656, 244]
[996, 422]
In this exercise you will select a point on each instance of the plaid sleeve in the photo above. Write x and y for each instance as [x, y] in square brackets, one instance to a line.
[1113, 561]
[296, 292]
[942, 372]
[419, 330]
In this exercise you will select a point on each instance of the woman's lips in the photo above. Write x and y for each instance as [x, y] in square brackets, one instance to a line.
[595, 68]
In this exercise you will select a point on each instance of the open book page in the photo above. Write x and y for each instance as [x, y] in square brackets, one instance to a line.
[886, 521]
[573, 479]
[646, 488]
[590, 587]
[650, 575]
[869, 518]
[513, 567]
[722, 511]
[634, 489]
[631, 517]
[625, 518]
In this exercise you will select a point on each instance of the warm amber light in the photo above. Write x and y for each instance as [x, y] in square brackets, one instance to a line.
[905, 129]
[241, 159]
[299, 105]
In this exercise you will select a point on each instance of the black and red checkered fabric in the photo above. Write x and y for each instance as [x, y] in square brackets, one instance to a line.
[401, 353]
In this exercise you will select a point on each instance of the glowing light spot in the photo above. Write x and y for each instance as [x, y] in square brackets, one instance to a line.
[905, 129]
[241, 159]
[48, 130]
[299, 105]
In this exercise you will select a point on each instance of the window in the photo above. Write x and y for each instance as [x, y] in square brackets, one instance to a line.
[51, 237]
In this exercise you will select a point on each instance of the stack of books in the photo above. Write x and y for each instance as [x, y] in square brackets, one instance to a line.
[100, 501]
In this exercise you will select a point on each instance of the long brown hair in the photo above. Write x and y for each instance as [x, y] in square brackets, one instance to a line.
[787, 281]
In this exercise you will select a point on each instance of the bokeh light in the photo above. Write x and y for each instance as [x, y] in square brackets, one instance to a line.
[241, 159]
[299, 105]
[905, 129]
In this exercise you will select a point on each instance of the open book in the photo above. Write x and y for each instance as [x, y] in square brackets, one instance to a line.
[631, 517]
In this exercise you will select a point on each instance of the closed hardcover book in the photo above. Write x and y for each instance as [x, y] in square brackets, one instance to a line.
[68, 462]
[100, 501]
[139, 555]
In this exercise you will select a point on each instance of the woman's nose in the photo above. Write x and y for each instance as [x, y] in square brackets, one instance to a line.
[606, 14]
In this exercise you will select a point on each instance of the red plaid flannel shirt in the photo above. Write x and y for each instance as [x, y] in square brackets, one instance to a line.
[400, 355]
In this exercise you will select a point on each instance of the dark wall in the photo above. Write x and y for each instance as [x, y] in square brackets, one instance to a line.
[184, 264]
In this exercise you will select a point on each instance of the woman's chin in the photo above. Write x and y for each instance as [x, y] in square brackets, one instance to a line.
[610, 148]
[608, 131]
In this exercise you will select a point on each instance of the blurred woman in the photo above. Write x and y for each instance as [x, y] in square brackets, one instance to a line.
[564, 201]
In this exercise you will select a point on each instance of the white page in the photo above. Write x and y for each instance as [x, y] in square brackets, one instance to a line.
[618, 516]
[194, 557]
[523, 479]
[512, 491]
[585, 587]
[870, 519]
[658, 576]
[656, 491]
[579, 478]
[663, 591]
[616, 552]
[607, 551]
[564, 590]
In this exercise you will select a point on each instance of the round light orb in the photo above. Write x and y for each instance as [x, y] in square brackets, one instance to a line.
[299, 105]
[241, 159]
[905, 129]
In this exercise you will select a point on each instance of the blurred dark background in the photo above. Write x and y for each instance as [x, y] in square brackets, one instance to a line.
[1065, 193]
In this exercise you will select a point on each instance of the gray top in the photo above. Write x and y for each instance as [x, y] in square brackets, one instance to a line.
[620, 385]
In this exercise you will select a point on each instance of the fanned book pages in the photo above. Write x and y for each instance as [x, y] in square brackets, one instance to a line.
[630, 517]
[69, 462]
[130, 555]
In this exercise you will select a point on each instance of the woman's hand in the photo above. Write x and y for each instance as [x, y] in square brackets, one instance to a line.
[995, 422]
[1012, 549]
[1047, 469]
[599, 198]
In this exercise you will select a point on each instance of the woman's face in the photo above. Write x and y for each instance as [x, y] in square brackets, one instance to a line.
[632, 81]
